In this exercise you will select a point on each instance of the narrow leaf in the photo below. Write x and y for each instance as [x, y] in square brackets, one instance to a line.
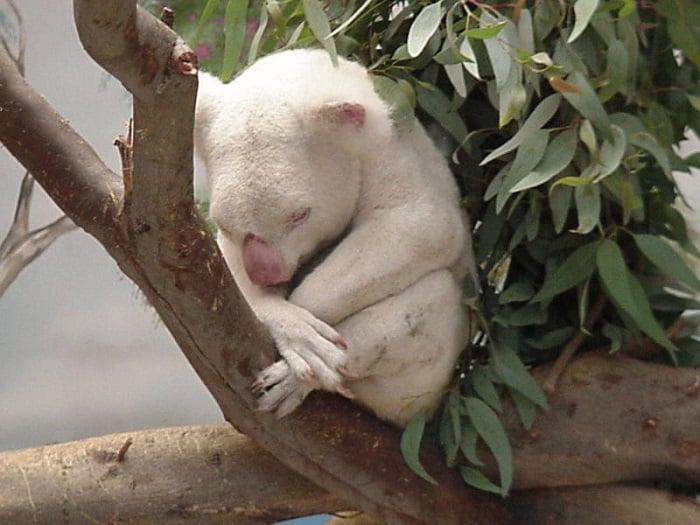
[587, 103]
[207, 13]
[575, 269]
[423, 27]
[508, 366]
[320, 27]
[410, 447]
[476, 479]
[538, 118]
[468, 444]
[486, 31]
[234, 36]
[588, 204]
[583, 10]
[666, 259]
[557, 156]
[491, 431]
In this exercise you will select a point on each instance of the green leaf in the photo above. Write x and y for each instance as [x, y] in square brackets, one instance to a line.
[476, 479]
[666, 259]
[694, 101]
[575, 269]
[538, 118]
[511, 97]
[627, 9]
[234, 36]
[611, 154]
[625, 291]
[342, 27]
[466, 51]
[526, 158]
[207, 13]
[552, 339]
[423, 27]
[486, 30]
[320, 27]
[559, 203]
[255, 42]
[410, 447]
[587, 103]
[583, 10]
[508, 366]
[683, 27]
[588, 207]
[468, 443]
[587, 136]
[398, 100]
[616, 70]
[501, 61]
[438, 106]
[526, 409]
[637, 135]
[491, 431]
[516, 292]
[455, 74]
[557, 156]
[484, 388]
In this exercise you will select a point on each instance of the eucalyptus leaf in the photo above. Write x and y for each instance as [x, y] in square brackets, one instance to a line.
[583, 11]
[486, 30]
[586, 102]
[544, 111]
[476, 479]
[410, 447]
[423, 27]
[588, 205]
[471, 65]
[575, 269]
[559, 204]
[508, 366]
[468, 443]
[234, 36]
[492, 432]
[557, 156]
[666, 259]
[611, 154]
[484, 388]
[526, 409]
[320, 27]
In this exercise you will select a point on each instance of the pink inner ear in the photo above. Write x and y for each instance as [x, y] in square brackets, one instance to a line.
[345, 112]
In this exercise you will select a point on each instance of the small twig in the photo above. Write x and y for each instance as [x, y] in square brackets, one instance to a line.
[18, 59]
[550, 383]
[122, 451]
[125, 145]
[646, 349]
[167, 16]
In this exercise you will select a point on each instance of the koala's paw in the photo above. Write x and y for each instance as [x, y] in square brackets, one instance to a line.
[314, 351]
[279, 390]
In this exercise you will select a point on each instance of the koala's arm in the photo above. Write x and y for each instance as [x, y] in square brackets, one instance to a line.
[379, 258]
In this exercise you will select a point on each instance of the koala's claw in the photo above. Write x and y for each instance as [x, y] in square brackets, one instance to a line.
[279, 390]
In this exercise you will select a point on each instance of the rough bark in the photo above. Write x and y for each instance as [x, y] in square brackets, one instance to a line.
[611, 419]
[193, 475]
[210, 475]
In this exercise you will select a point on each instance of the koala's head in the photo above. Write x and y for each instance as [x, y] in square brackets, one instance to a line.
[283, 145]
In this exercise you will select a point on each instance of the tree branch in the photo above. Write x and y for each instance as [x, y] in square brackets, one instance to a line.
[203, 475]
[212, 475]
[21, 246]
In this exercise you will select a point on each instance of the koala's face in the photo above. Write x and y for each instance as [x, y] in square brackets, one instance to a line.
[280, 195]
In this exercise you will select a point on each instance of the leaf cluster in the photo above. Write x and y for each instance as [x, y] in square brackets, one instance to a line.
[559, 119]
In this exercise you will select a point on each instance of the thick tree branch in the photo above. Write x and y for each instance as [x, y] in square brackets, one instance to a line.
[611, 419]
[203, 475]
[212, 475]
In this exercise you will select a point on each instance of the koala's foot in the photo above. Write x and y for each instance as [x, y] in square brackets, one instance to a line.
[279, 389]
[314, 352]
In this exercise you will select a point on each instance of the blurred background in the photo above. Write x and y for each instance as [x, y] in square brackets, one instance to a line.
[82, 354]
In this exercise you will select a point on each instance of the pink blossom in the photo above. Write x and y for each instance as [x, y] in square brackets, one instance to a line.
[203, 50]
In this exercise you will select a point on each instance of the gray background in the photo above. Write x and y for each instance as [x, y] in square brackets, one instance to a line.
[80, 352]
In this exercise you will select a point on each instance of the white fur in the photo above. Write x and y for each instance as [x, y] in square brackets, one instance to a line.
[391, 287]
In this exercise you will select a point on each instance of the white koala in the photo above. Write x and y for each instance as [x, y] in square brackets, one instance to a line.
[303, 160]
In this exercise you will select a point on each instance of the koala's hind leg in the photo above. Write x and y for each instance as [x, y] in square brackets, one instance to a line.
[402, 351]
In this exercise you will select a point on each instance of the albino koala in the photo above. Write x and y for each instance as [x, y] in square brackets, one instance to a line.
[302, 156]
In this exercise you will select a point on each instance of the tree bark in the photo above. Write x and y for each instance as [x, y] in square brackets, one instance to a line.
[193, 475]
[211, 475]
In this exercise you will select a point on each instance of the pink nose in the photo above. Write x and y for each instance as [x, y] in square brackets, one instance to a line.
[263, 263]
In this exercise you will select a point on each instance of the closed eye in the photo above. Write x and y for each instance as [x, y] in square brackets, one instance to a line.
[299, 217]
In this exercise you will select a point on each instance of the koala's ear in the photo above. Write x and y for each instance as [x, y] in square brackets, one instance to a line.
[343, 113]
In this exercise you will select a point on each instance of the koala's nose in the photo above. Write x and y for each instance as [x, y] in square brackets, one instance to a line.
[263, 263]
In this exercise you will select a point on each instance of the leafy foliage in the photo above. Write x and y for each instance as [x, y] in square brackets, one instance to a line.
[559, 120]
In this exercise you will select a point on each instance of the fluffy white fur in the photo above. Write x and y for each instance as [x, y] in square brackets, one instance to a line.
[391, 287]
